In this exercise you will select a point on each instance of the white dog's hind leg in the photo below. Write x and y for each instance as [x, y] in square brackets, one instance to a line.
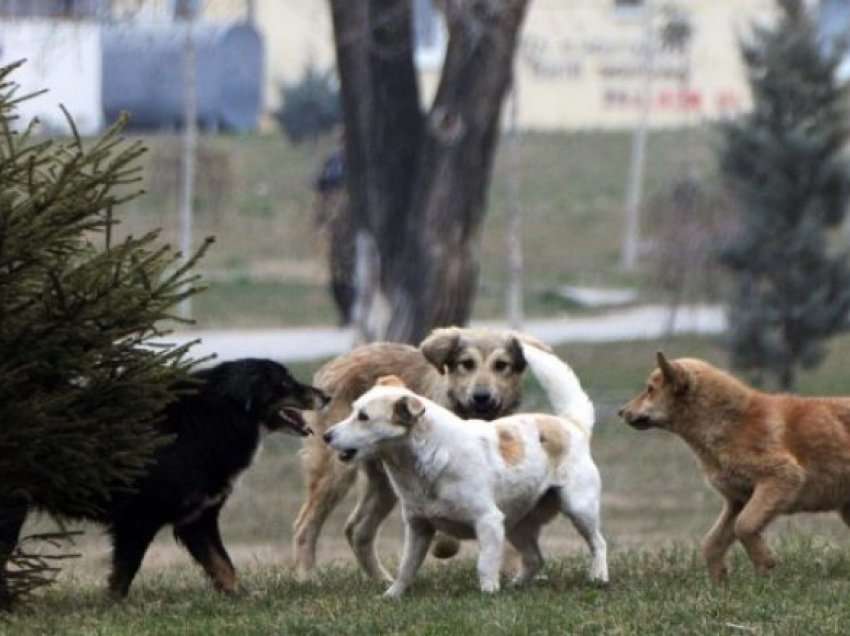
[490, 531]
[418, 534]
[583, 510]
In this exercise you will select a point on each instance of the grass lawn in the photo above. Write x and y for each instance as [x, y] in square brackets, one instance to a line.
[656, 508]
[661, 592]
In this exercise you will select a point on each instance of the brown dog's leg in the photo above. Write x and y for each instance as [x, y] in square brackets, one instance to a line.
[203, 540]
[376, 502]
[719, 539]
[845, 514]
[328, 481]
[769, 499]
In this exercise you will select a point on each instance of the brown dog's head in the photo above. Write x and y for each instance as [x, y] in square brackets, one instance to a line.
[484, 369]
[656, 405]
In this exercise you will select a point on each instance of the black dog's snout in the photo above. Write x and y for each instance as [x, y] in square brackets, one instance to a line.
[328, 437]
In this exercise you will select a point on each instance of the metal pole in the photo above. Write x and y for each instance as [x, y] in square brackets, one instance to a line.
[514, 231]
[190, 134]
[634, 191]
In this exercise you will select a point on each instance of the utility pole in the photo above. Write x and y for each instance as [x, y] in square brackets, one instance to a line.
[634, 189]
[514, 233]
[190, 138]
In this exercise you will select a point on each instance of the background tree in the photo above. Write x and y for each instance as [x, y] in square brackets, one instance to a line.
[784, 163]
[81, 378]
[418, 181]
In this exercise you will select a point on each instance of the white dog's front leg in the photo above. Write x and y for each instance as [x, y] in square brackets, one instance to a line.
[417, 539]
[490, 530]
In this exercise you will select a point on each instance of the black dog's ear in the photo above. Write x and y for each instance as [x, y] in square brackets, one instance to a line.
[407, 410]
[440, 346]
[514, 349]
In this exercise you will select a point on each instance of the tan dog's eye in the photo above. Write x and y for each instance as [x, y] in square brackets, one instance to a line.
[499, 366]
[467, 365]
[362, 417]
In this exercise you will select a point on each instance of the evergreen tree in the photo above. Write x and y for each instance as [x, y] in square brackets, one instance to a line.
[81, 376]
[785, 166]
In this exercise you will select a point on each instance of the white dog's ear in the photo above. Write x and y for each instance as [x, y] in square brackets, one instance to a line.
[440, 346]
[407, 410]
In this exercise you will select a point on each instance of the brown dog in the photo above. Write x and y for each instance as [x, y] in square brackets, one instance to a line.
[477, 373]
[766, 454]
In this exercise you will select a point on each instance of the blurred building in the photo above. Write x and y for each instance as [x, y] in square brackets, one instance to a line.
[581, 63]
[101, 57]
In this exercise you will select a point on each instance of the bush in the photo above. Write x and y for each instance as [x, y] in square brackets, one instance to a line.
[82, 380]
[310, 106]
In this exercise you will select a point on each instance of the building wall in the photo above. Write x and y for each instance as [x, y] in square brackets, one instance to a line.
[580, 64]
[63, 56]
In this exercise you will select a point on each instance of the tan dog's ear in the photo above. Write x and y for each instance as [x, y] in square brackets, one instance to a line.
[532, 341]
[439, 347]
[407, 410]
[389, 380]
[673, 374]
[514, 349]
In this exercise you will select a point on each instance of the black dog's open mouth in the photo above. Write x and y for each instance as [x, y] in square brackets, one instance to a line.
[347, 455]
[291, 419]
[641, 423]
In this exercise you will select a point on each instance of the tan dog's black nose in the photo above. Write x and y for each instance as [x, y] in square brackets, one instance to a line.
[621, 411]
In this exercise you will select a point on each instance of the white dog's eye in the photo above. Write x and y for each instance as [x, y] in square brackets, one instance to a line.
[362, 416]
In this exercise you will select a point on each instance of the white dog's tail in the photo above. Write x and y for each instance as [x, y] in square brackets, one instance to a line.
[562, 387]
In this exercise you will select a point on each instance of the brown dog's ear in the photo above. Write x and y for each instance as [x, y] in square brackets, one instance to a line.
[673, 374]
[439, 347]
[389, 380]
[407, 410]
[514, 349]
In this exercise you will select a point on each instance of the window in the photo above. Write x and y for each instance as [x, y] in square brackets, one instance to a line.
[429, 34]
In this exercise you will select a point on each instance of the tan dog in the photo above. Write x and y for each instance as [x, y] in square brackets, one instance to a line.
[474, 372]
[766, 454]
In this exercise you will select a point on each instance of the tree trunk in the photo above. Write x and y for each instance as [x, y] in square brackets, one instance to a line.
[418, 182]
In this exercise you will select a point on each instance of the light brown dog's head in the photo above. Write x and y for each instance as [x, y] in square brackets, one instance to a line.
[660, 401]
[484, 369]
[386, 413]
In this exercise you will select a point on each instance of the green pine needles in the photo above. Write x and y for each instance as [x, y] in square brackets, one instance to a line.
[786, 166]
[82, 378]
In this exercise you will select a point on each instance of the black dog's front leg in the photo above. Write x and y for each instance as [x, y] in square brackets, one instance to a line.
[203, 540]
[130, 541]
[12, 517]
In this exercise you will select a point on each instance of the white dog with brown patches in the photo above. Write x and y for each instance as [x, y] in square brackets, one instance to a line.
[485, 480]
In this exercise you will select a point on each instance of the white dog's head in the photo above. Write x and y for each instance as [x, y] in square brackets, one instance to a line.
[386, 413]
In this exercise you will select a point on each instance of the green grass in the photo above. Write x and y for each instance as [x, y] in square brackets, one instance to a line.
[660, 592]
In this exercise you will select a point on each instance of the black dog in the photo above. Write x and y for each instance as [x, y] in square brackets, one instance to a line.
[217, 432]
